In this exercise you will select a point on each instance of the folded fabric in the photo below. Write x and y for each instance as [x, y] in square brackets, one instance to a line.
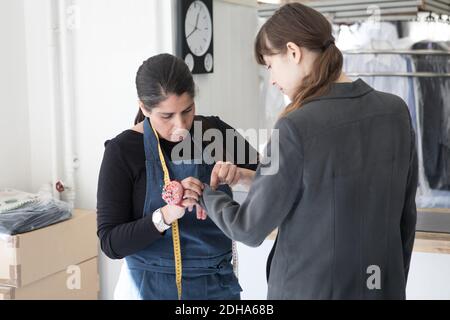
[12, 199]
[24, 212]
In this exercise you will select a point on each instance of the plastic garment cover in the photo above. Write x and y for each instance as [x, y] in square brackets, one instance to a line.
[434, 109]
[22, 212]
[400, 86]
[366, 35]
[428, 100]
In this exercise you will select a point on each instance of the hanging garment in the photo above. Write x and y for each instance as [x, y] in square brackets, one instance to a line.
[366, 35]
[434, 108]
[411, 99]
[400, 86]
[425, 197]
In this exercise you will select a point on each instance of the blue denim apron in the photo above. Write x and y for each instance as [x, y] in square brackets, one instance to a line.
[205, 250]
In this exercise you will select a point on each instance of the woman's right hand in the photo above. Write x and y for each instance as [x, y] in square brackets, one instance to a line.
[174, 212]
[193, 189]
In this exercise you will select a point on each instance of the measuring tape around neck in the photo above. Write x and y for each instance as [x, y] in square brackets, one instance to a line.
[175, 228]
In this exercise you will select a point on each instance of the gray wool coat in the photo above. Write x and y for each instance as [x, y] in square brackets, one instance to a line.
[343, 198]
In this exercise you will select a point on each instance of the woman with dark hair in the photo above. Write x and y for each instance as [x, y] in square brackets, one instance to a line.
[168, 254]
[343, 197]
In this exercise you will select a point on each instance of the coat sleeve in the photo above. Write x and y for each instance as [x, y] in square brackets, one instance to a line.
[409, 214]
[275, 191]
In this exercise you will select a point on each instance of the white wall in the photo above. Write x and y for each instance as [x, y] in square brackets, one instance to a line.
[232, 92]
[44, 108]
[429, 277]
[252, 270]
[111, 41]
[14, 129]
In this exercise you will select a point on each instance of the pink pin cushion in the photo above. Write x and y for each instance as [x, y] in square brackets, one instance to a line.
[173, 193]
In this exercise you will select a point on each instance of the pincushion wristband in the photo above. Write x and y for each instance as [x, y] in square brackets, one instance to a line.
[173, 193]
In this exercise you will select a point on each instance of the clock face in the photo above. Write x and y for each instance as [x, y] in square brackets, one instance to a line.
[189, 60]
[198, 28]
[208, 62]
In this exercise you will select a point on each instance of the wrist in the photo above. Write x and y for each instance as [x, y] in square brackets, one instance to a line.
[246, 176]
[166, 215]
[159, 221]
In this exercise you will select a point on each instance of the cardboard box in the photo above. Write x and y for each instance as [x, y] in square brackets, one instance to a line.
[78, 282]
[28, 257]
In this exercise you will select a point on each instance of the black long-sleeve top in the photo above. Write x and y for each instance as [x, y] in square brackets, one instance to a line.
[121, 227]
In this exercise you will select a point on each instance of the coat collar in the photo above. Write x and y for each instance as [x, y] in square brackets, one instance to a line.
[344, 90]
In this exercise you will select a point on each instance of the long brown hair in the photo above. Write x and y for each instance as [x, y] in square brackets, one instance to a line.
[306, 28]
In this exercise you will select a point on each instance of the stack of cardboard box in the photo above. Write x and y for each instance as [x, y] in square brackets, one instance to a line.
[56, 262]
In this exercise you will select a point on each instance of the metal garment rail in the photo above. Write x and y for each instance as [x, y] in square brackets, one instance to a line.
[407, 52]
[398, 74]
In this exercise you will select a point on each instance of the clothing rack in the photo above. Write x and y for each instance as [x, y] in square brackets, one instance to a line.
[350, 11]
[398, 74]
[407, 52]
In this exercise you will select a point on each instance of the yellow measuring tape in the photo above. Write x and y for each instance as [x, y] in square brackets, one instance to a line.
[175, 229]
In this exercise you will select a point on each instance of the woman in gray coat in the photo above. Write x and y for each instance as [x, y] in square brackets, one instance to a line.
[341, 181]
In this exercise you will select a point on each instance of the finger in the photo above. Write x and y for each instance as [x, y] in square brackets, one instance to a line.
[199, 183]
[214, 182]
[205, 215]
[195, 181]
[194, 187]
[188, 203]
[231, 173]
[223, 172]
[199, 211]
[237, 177]
[189, 194]
[202, 212]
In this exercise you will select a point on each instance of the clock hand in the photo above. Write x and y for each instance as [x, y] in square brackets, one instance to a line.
[195, 29]
[196, 21]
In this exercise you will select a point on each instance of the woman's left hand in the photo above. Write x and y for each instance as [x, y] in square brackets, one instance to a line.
[224, 173]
